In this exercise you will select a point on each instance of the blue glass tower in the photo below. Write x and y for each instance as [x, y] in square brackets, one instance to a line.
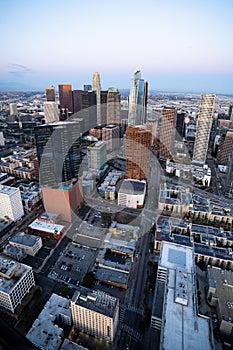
[137, 100]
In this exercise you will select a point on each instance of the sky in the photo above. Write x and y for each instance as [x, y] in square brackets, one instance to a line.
[178, 45]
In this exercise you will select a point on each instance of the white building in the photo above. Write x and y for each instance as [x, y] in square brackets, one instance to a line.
[29, 244]
[11, 203]
[204, 124]
[45, 333]
[13, 109]
[174, 311]
[2, 140]
[132, 193]
[51, 112]
[16, 281]
[95, 313]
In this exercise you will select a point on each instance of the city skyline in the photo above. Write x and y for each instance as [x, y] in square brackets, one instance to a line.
[178, 47]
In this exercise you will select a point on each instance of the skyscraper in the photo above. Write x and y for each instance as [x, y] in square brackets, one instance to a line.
[87, 87]
[96, 82]
[50, 94]
[138, 142]
[204, 124]
[137, 100]
[113, 106]
[51, 112]
[65, 97]
[96, 86]
[59, 152]
[84, 103]
[225, 148]
[167, 132]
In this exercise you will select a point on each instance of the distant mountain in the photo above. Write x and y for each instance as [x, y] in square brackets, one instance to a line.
[15, 86]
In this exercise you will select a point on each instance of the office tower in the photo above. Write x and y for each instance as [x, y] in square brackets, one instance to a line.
[174, 312]
[97, 155]
[95, 313]
[84, 103]
[10, 203]
[167, 132]
[230, 113]
[110, 134]
[180, 116]
[96, 86]
[113, 106]
[13, 109]
[103, 107]
[59, 153]
[17, 281]
[138, 143]
[87, 87]
[50, 94]
[225, 148]
[204, 124]
[65, 98]
[51, 112]
[137, 100]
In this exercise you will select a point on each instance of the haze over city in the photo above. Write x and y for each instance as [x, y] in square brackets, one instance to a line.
[178, 46]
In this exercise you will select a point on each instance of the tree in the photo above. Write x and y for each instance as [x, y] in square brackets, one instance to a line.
[88, 279]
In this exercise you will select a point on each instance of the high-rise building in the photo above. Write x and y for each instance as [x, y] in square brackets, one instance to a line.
[110, 134]
[167, 132]
[13, 109]
[11, 203]
[2, 139]
[84, 103]
[96, 86]
[87, 87]
[95, 313]
[174, 312]
[225, 148]
[230, 112]
[59, 153]
[50, 94]
[65, 98]
[204, 124]
[137, 100]
[138, 143]
[51, 112]
[113, 106]
[97, 155]
[17, 281]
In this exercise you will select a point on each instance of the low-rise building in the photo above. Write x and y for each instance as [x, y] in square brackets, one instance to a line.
[29, 244]
[45, 333]
[174, 199]
[13, 252]
[95, 313]
[16, 281]
[132, 193]
[47, 229]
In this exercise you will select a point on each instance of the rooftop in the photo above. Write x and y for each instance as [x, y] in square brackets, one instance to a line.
[49, 227]
[25, 239]
[97, 301]
[7, 190]
[132, 187]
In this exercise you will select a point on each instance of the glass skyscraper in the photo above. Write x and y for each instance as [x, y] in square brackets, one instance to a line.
[137, 100]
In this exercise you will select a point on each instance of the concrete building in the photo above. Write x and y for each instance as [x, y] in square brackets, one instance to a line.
[225, 148]
[63, 200]
[11, 203]
[2, 139]
[69, 345]
[50, 94]
[65, 97]
[137, 100]
[174, 199]
[16, 281]
[174, 311]
[45, 333]
[96, 86]
[95, 313]
[219, 295]
[167, 132]
[51, 112]
[138, 143]
[97, 155]
[47, 228]
[204, 124]
[132, 193]
[110, 134]
[113, 106]
[29, 244]
[13, 252]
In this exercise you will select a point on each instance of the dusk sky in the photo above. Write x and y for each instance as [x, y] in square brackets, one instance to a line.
[178, 45]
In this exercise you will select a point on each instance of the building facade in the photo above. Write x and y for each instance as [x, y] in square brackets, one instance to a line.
[137, 100]
[167, 132]
[11, 203]
[65, 97]
[50, 94]
[204, 124]
[110, 134]
[51, 112]
[97, 155]
[29, 244]
[113, 106]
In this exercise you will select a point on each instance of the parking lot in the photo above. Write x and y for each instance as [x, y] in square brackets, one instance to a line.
[72, 265]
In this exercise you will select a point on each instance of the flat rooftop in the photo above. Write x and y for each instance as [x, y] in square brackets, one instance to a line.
[11, 272]
[48, 227]
[7, 190]
[44, 332]
[97, 301]
[25, 239]
[108, 275]
[69, 345]
[132, 187]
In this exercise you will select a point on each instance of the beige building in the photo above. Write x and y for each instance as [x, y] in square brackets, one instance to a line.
[95, 313]
[29, 244]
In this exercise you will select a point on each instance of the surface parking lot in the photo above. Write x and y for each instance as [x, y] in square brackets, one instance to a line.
[73, 264]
